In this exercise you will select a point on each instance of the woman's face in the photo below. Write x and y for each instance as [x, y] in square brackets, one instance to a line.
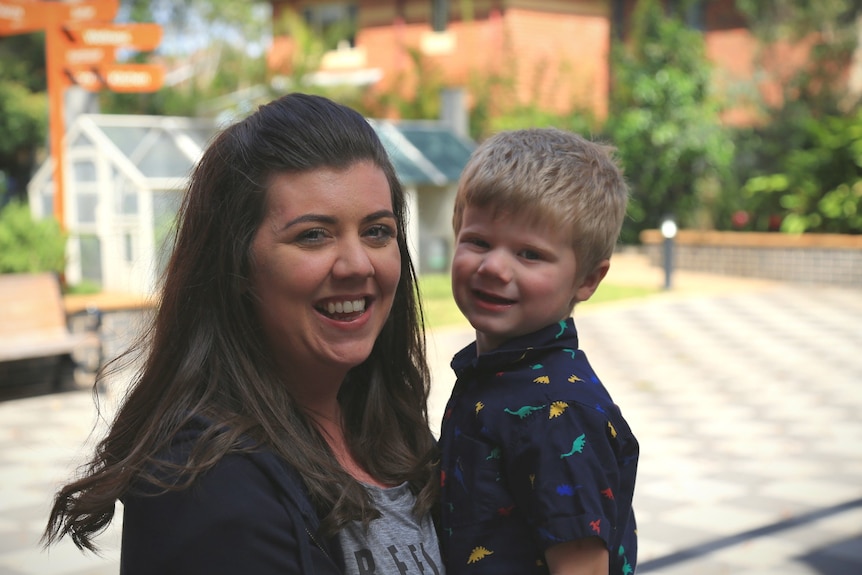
[325, 267]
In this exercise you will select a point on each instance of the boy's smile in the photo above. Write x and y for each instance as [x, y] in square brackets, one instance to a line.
[512, 276]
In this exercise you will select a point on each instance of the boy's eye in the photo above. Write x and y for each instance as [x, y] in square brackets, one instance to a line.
[530, 255]
[478, 242]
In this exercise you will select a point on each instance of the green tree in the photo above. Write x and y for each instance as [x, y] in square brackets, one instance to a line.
[23, 126]
[665, 122]
[23, 110]
[817, 186]
[802, 166]
[310, 47]
[426, 81]
[830, 28]
[23, 60]
[217, 42]
[28, 246]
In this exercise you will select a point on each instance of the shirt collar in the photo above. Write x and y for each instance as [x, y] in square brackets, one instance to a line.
[518, 349]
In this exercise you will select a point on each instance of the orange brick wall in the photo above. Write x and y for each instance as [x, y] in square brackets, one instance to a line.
[561, 59]
[557, 52]
[743, 69]
[557, 61]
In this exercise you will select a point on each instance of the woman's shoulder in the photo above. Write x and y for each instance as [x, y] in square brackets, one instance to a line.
[248, 500]
[247, 460]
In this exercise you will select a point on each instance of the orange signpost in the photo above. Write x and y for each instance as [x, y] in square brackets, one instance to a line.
[137, 36]
[133, 77]
[92, 11]
[88, 56]
[80, 47]
[24, 16]
[85, 77]
[116, 77]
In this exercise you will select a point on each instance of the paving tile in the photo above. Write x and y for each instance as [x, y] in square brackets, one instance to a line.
[720, 518]
[746, 406]
[760, 553]
[675, 535]
[818, 492]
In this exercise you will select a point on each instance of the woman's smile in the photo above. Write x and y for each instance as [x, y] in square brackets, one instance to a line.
[326, 267]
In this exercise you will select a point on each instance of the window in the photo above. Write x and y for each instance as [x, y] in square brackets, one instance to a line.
[334, 22]
[128, 251]
[439, 15]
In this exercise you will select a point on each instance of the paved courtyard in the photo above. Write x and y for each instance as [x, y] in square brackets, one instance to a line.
[746, 399]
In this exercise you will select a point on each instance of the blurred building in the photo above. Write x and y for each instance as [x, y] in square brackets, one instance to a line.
[126, 175]
[554, 54]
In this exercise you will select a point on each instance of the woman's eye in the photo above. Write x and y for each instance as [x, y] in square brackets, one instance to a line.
[312, 236]
[381, 233]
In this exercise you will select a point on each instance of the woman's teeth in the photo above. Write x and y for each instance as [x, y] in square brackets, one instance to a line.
[346, 306]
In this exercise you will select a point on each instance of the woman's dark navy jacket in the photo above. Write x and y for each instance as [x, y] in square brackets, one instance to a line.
[249, 514]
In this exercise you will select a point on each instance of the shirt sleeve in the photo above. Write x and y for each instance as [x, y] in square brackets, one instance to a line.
[563, 473]
[233, 519]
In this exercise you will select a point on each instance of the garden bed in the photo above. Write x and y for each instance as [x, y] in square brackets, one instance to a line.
[834, 259]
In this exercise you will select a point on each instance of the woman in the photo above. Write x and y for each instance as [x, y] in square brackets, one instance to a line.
[279, 422]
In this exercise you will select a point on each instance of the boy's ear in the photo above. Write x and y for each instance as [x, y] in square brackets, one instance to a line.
[591, 281]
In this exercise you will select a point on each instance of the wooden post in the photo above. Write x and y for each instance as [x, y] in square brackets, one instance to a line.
[56, 109]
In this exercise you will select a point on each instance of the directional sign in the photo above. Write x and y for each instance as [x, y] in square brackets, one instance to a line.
[24, 16]
[85, 77]
[94, 56]
[133, 77]
[79, 49]
[92, 11]
[116, 77]
[143, 37]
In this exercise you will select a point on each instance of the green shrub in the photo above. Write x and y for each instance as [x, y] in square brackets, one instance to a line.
[665, 121]
[28, 245]
[809, 177]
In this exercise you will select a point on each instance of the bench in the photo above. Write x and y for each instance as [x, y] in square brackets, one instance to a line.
[35, 339]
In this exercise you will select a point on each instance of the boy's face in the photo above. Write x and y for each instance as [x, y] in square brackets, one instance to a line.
[511, 277]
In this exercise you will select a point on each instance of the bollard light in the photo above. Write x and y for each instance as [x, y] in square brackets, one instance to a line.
[668, 232]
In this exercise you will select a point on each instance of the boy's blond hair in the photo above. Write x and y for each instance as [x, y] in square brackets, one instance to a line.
[559, 179]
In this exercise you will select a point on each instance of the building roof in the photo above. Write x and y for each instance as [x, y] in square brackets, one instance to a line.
[152, 150]
[424, 152]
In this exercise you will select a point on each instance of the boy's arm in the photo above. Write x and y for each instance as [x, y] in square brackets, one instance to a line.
[579, 557]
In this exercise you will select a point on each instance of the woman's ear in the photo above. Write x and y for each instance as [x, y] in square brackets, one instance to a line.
[591, 281]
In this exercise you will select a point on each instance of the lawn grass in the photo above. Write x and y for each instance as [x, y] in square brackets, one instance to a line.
[441, 311]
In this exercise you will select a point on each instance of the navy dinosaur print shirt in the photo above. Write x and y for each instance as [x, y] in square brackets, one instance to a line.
[535, 453]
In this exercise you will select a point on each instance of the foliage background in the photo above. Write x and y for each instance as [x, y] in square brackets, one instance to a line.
[28, 246]
[797, 168]
[665, 120]
[800, 167]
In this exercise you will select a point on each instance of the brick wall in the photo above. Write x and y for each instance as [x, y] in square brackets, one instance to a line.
[832, 259]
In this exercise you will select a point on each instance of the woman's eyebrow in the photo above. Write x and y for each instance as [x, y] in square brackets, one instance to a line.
[324, 219]
[378, 215]
[317, 218]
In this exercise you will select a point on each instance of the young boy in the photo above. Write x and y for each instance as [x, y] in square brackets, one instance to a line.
[538, 464]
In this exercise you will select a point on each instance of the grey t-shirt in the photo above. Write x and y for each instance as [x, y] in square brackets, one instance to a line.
[395, 544]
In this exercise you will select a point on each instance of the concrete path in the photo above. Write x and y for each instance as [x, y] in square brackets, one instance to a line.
[746, 397]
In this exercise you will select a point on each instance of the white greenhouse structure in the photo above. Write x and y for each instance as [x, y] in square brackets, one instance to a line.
[125, 176]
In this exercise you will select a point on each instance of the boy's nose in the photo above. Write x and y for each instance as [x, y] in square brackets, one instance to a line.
[497, 265]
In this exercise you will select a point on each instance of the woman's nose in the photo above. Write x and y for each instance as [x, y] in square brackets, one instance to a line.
[352, 260]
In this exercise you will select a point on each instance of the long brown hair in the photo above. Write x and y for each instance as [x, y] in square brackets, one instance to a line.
[204, 353]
